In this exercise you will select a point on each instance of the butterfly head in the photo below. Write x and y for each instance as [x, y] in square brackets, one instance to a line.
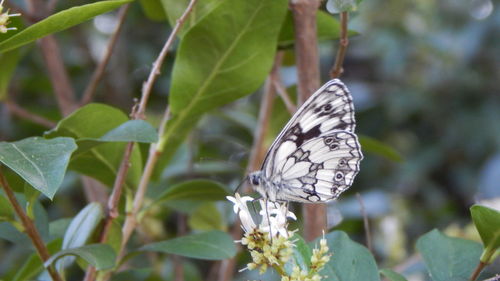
[255, 179]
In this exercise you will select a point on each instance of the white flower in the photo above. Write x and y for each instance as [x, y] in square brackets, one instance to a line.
[274, 218]
[240, 208]
[4, 19]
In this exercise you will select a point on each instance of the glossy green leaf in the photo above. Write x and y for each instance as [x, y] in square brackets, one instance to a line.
[487, 222]
[212, 245]
[101, 256]
[33, 265]
[448, 258]
[153, 9]
[175, 8]
[195, 190]
[94, 158]
[80, 229]
[374, 146]
[40, 162]
[132, 131]
[8, 61]
[206, 217]
[328, 28]
[213, 68]
[392, 275]
[58, 22]
[350, 260]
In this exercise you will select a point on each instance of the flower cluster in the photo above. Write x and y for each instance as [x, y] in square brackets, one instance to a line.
[4, 19]
[269, 242]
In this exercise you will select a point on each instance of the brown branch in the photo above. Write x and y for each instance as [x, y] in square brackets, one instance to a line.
[337, 69]
[29, 228]
[23, 113]
[306, 51]
[477, 271]
[280, 89]
[99, 71]
[227, 267]
[365, 222]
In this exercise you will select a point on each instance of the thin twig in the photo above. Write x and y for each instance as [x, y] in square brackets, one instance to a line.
[280, 89]
[23, 113]
[365, 222]
[227, 267]
[337, 69]
[477, 271]
[148, 85]
[29, 228]
[99, 71]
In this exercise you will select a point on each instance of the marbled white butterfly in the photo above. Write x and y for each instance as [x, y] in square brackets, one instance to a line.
[316, 156]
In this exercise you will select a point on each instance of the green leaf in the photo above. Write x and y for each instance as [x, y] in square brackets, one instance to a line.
[337, 6]
[94, 158]
[487, 222]
[212, 245]
[448, 258]
[40, 162]
[195, 190]
[213, 68]
[6, 211]
[392, 275]
[58, 22]
[153, 9]
[132, 131]
[328, 28]
[33, 265]
[350, 260]
[175, 8]
[206, 217]
[372, 145]
[302, 253]
[101, 256]
[80, 229]
[8, 61]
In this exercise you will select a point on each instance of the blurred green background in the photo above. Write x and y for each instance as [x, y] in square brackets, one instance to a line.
[425, 80]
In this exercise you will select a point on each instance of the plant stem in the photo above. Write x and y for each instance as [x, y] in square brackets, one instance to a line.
[98, 73]
[365, 222]
[337, 69]
[227, 267]
[477, 270]
[29, 228]
[23, 113]
[306, 50]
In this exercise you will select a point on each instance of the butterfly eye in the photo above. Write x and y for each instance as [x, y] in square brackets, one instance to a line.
[328, 140]
[254, 180]
[339, 176]
[342, 162]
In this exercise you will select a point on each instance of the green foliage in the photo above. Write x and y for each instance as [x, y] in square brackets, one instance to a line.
[58, 22]
[42, 163]
[212, 245]
[448, 258]
[374, 146]
[93, 127]
[101, 256]
[487, 222]
[350, 260]
[392, 275]
[214, 68]
[9, 62]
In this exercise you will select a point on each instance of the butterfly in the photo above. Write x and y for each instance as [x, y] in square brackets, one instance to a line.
[317, 154]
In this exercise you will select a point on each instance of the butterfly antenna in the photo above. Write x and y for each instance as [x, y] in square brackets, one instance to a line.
[240, 184]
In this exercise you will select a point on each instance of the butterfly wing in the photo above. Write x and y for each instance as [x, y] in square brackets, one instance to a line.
[301, 163]
[320, 169]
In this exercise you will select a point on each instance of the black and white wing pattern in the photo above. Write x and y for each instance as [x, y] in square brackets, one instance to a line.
[317, 155]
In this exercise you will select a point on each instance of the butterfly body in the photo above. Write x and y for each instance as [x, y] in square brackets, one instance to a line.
[317, 155]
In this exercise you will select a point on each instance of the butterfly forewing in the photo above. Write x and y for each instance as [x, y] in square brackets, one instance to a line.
[317, 155]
